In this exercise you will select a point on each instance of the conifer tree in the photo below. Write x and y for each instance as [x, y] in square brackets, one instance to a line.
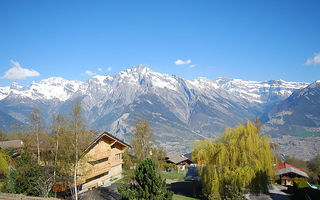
[148, 185]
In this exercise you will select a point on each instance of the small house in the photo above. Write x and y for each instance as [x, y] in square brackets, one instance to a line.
[182, 161]
[100, 164]
[286, 173]
[102, 161]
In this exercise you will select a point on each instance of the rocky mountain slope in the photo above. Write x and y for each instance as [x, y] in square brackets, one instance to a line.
[179, 110]
[298, 115]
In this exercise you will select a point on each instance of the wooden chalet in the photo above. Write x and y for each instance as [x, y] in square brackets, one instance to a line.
[182, 161]
[102, 161]
[286, 173]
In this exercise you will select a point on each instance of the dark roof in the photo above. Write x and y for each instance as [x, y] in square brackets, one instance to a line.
[192, 174]
[99, 134]
[177, 158]
[11, 144]
[291, 170]
[188, 155]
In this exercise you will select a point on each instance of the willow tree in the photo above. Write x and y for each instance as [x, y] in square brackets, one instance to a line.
[241, 158]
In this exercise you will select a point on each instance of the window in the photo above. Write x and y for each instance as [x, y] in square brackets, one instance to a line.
[119, 156]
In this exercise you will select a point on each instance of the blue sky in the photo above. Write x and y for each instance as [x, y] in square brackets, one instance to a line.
[250, 40]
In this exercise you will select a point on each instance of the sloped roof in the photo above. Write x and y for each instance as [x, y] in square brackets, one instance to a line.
[188, 155]
[99, 134]
[285, 165]
[11, 144]
[177, 158]
[291, 170]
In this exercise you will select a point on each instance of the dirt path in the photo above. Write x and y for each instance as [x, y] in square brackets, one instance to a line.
[275, 194]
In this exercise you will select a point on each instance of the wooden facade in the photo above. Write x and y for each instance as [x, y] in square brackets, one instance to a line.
[101, 162]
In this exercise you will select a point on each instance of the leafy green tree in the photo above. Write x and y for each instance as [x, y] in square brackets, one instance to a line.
[36, 128]
[303, 165]
[9, 184]
[143, 147]
[314, 169]
[241, 158]
[58, 127]
[4, 165]
[26, 177]
[80, 140]
[148, 185]
[3, 135]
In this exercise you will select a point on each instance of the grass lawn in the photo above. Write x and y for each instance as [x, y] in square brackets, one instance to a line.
[180, 197]
[173, 176]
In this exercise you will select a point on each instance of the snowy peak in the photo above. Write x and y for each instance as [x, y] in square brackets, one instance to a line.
[141, 78]
[15, 86]
[260, 91]
[47, 89]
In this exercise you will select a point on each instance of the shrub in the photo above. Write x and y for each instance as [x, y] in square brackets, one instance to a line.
[300, 183]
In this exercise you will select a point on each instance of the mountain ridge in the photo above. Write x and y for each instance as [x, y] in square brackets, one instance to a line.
[179, 110]
[139, 72]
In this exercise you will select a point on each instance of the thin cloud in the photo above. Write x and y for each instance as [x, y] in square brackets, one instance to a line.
[313, 61]
[182, 62]
[109, 69]
[99, 69]
[89, 73]
[18, 72]
[193, 65]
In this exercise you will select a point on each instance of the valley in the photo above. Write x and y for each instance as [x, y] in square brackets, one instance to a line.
[179, 111]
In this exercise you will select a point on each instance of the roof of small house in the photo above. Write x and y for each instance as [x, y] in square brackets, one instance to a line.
[188, 155]
[291, 170]
[99, 134]
[11, 144]
[285, 165]
[177, 158]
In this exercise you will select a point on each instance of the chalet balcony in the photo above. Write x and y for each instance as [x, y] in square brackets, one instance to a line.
[99, 155]
[99, 169]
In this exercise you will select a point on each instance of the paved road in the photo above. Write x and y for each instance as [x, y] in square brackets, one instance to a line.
[102, 193]
[275, 194]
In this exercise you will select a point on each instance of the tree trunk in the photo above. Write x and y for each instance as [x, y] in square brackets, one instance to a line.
[38, 147]
[75, 168]
[55, 163]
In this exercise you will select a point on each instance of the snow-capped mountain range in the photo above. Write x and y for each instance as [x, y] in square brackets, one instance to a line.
[62, 89]
[178, 109]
